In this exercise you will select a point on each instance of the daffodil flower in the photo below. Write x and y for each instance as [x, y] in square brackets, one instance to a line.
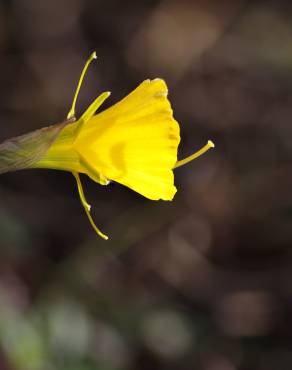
[134, 143]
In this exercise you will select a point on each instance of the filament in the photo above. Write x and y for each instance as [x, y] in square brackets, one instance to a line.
[197, 154]
[89, 60]
[87, 206]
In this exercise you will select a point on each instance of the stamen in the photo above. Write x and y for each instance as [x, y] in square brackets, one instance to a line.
[71, 113]
[87, 206]
[197, 154]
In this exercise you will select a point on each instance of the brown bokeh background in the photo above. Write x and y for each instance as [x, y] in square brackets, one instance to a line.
[203, 282]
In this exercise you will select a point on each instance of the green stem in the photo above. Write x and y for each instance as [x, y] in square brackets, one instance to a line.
[24, 151]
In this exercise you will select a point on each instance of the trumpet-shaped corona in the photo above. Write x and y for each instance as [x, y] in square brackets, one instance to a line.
[134, 143]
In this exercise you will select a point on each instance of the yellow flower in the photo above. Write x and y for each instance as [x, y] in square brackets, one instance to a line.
[133, 143]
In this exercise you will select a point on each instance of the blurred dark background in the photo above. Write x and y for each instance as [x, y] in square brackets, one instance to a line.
[203, 282]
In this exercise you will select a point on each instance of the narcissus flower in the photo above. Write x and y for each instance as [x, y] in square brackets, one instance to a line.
[134, 143]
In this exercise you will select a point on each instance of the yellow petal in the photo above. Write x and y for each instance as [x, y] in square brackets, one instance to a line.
[134, 142]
